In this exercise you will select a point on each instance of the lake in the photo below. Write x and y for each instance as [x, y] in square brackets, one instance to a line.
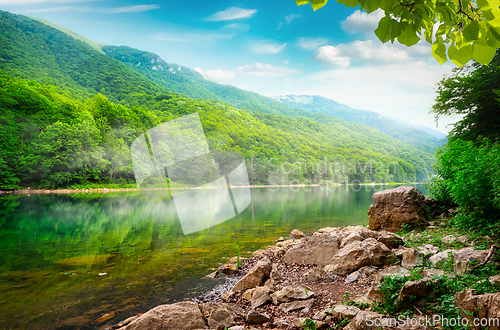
[67, 260]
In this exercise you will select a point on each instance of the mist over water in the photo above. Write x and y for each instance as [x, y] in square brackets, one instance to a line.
[67, 260]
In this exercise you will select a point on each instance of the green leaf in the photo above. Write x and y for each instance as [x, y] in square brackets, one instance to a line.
[388, 29]
[317, 4]
[386, 5]
[371, 5]
[494, 31]
[460, 54]
[408, 37]
[482, 3]
[483, 54]
[491, 40]
[302, 2]
[439, 51]
[471, 31]
[349, 3]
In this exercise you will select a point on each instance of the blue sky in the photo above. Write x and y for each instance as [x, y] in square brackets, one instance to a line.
[271, 47]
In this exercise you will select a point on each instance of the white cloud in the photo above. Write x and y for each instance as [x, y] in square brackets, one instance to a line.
[237, 27]
[230, 14]
[360, 22]
[31, 2]
[311, 43]
[266, 70]
[286, 61]
[217, 73]
[267, 48]
[290, 18]
[368, 51]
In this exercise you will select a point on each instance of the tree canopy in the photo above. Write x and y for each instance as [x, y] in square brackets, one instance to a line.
[466, 29]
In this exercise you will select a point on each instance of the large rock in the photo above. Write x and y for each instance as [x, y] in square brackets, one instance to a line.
[181, 316]
[255, 276]
[260, 297]
[255, 317]
[414, 292]
[359, 254]
[317, 274]
[391, 240]
[439, 258]
[317, 250]
[221, 315]
[412, 258]
[289, 293]
[297, 304]
[394, 208]
[464, 256]
[483, 307]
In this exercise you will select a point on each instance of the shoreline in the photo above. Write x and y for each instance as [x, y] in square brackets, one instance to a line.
[114, 190]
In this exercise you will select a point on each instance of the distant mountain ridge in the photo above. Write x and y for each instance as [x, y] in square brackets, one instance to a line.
[419, 136]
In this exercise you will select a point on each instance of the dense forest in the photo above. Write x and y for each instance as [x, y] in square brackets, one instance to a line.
[70, 114]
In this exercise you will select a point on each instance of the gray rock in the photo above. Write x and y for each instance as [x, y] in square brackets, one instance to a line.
[297, 304]
[342, 312]
[290, 293]
[428, 249]
[352, 277]
[317, 274]
[254, 277]
[316, 250]
[319, 316]
[391, 240]
[260, 297]
[394, 208]
[412, 258]
[255, 317]
[182, 316]
[441, 257]
[464, 256]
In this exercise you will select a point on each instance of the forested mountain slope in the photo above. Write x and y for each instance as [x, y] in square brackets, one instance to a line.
[423, 138]
[80, 127]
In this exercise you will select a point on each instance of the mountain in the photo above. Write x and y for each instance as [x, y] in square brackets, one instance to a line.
[70, 113]
[430, 131]
[422, 137]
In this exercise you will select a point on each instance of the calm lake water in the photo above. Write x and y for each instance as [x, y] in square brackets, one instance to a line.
[67, 260]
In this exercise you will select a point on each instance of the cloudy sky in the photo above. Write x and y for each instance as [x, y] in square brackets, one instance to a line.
[271, 47]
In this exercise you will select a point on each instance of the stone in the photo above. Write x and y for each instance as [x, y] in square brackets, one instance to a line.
[432, 272]
[182, 316]
[448, 239]
[286, 243]
[297, 234]
[494, 279]
[441, 257]
[317, 250]
[319, 316]
[412, 258]
[365, 320]
[350, 234]
[297, 304]
[254, 277]
[342, 312]
[260, 297]
[462, 239]
[222, 315]
[289, 293]
[352, 277]
[305, 310]
[255, 317]
[353, 237]
[428, 249]
[391, 240]
[395, 209]
[281, 324]
[399, 251]
[463, 257]
[374, 294]
[329, 230]
[299, 323]
[317, 274]
[482, 307]
[126, 321]
[359, 254]
[247, 295]
[416, 291]
[237, 327]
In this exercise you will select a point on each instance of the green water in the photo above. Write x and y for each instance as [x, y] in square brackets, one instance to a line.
[53, 248]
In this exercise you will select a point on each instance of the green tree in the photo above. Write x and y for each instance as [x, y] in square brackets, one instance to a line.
[472, 93]
[466, 29]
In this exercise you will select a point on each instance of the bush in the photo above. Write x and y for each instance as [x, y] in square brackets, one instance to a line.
[468, 175]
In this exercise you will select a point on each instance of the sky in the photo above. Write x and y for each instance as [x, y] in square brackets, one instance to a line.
[271, 47]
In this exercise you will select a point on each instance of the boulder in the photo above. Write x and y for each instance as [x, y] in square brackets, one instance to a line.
[317, 250]
[365, 320]
[254, 277]
[218, 315]
[342, 312]
[394, 208]
[464, 256]
[494, 279]
[297, 234]
[182, 316]
[483, 307]
[317, 274]
[412, 258]
[255, 317]
[260, 297]
[356, 233]
[428, 249]
[441, 257]
[329, 230]
[391, 240]
[297, 304]
[359, 254]
[289, 293]
[374, 294]
[414, 292]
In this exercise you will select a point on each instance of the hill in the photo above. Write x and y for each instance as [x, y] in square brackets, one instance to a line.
[422, 137]
[80, 94]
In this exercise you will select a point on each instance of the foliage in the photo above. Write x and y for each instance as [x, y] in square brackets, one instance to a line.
[466, 29]
[471, 93]
[467, 175]
[310, 324]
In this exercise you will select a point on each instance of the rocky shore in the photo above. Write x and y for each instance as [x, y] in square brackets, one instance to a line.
[350, 278]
